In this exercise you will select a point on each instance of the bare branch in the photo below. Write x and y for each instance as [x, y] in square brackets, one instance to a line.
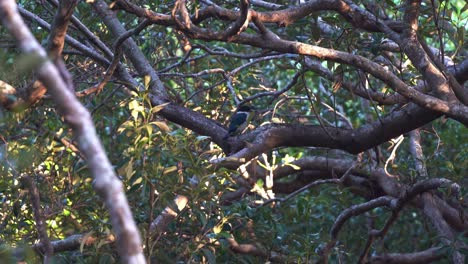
[167, 216]
[241, 23]
[347, 214]
[417, 152]
[46, 247]
[304, 188]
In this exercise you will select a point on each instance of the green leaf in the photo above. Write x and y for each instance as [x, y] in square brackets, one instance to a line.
[293, 166]
[260, 183]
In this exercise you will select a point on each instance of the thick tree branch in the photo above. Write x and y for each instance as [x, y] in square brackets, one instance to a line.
[352, 140]
[430, 207]
[427, 256]
[70, 243]
[444, 230]
[430, 99]
[282, 17]
[454, 214]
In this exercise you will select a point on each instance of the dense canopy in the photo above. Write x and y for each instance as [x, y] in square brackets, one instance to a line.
[114, 142]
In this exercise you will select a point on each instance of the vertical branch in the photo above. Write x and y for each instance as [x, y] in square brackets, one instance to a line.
[47, 248]
[241, 23]
[59, 28]
[417, 152]
[430, 208]
[56, 41]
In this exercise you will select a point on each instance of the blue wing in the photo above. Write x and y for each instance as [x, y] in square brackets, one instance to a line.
[237, 120]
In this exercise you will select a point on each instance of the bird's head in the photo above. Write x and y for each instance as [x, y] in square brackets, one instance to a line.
[244, 108]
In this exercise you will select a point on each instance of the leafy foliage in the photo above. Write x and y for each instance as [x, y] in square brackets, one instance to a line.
[157, 160]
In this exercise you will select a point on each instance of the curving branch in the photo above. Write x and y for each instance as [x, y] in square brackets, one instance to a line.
[352, 140]
[241, 23]
[395, 204]
[409, 194]
[443, 229]
[426, 256]
[282, 18]
[346, 215]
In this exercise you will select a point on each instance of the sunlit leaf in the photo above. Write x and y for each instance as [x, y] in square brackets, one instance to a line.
[162, 125]
[158, 108]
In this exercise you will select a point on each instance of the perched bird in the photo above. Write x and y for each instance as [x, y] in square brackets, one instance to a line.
[239, 121]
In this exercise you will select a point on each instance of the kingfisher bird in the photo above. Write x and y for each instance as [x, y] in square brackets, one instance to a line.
[239, 120]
